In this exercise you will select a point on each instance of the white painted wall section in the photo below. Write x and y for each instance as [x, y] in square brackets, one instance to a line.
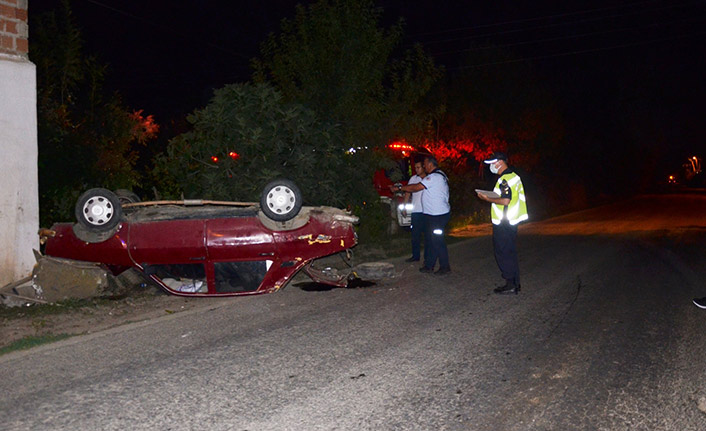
[19, 189]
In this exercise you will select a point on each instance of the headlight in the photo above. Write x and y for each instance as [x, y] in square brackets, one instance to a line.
[409, 207]
[400, 207]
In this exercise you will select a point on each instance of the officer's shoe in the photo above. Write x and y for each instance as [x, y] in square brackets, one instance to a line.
[510, 288]
[426, 270]
[412, 259]
[442, 271]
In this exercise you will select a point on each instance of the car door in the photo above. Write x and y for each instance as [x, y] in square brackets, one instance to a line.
[241, 252]
[174, 251]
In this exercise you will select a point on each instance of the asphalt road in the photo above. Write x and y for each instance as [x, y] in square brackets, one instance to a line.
[602, 337]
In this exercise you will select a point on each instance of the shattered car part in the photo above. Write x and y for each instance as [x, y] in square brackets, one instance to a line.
[55, 279]
[375, 271]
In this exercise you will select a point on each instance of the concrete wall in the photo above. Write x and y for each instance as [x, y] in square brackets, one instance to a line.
[19, 208]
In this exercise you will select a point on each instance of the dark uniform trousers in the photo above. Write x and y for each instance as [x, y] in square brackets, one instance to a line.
[418, 230]
[504, 243]
[436, 242]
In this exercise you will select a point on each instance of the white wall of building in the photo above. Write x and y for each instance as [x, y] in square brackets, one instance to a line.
[19, 206]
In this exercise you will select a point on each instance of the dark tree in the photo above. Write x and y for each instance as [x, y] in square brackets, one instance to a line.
[86, 136]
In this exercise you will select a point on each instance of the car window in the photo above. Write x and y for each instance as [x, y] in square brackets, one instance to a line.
[240, 276]
[186, 278]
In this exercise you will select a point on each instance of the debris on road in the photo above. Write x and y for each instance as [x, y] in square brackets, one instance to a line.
[375, 271]
[55, 279]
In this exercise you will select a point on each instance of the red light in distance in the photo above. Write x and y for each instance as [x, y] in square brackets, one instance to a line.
[400, 146]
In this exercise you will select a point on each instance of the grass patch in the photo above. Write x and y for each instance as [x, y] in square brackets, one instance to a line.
[32, 341]
[62, 307]
[38, 310]
[397, 245]
[391, 246]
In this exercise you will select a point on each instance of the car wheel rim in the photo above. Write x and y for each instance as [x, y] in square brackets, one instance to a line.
[281, 200]
[98, 210]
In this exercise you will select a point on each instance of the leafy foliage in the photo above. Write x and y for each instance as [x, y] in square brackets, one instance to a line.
[268, 138]
[86, 137]
[330, 82]
[334, 58]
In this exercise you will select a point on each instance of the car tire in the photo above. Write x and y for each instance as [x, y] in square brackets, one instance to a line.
[98, 210]
[126, 197]
[281, 200]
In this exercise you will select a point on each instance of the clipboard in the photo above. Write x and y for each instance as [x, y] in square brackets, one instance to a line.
[488, 193]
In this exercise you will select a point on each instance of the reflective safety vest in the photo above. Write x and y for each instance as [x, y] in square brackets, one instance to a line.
[516, 210]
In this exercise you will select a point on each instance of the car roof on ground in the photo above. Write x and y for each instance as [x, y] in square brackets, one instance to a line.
[178, 212]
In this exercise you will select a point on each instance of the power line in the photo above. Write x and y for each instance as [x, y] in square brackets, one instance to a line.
[546, 26]
[561, 38]
[568, 53]
[518, 21]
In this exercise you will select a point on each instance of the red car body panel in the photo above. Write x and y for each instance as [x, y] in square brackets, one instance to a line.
[221, 245]
[167, 241]
[404, 156]
[113, 251]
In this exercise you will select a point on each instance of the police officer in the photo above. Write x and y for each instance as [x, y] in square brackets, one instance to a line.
[417, 214]
[507, 210]
[437, 212]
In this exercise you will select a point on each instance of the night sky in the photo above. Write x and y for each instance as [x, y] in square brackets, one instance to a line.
[643, 61]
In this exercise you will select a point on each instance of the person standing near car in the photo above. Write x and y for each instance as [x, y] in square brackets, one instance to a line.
[507, 211]
[437, 212]
[416, 213]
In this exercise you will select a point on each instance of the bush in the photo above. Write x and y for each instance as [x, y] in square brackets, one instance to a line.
[247, 136]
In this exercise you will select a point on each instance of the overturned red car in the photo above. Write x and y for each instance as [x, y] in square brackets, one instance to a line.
[207, 248]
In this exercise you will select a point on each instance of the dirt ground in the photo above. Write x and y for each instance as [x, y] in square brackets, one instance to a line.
[88, 316]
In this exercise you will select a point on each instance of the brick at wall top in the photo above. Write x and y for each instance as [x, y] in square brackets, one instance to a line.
[13, 27]
[13, 11]
[22, 4]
